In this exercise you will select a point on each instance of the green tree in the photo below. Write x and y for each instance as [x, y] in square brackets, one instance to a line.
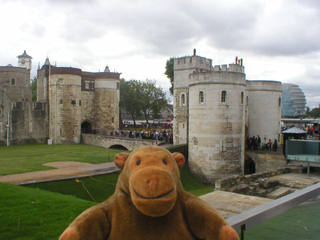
[153, 99]
[141, 97]
[315, 113]
[34, 89]
[170, 73]
[130, 102]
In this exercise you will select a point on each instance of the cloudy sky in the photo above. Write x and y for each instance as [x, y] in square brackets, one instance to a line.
[277, 39]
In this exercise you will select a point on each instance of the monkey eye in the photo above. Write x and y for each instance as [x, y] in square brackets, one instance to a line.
[165, 161]
[138, 162]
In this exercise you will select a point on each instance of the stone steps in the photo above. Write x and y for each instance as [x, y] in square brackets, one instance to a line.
[280, 192]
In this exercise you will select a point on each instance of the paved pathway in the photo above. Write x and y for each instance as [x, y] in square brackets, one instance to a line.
[65, 170]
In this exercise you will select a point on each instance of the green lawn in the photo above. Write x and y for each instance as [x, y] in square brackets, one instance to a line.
[40, 211]
[27, 213]
[29, 158]
[99, 188]
[301, 223]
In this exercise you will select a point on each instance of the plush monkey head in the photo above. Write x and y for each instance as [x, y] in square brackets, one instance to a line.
[151, 177]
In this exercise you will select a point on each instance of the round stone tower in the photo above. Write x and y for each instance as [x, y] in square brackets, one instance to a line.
[216, 122]
[65, 105]
[106, 102]
[183, 67]
[265, 99]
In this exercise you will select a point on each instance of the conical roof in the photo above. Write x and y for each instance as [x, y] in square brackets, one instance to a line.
[25, 55]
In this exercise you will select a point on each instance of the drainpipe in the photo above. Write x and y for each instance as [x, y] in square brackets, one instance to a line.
[8, 130]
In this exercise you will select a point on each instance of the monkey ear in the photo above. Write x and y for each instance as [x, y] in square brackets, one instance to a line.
[120, 159]
[179, 159]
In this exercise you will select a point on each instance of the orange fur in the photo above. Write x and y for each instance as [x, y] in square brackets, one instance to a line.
[149, 203]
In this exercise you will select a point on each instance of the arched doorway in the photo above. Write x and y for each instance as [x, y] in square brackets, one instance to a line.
[119, 147]
[249, 166]
[86, 127]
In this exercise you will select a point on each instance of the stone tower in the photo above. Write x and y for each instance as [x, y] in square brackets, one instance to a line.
[215, 108]
[78, 101]
[24, 61]
[183, 67]
[65, 105]
[216, 122]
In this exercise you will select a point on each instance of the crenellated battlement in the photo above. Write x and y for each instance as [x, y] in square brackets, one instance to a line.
[232, 67]
[194, 62]
[228, 68]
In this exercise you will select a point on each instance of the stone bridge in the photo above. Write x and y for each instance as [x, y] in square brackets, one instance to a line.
[112, 141]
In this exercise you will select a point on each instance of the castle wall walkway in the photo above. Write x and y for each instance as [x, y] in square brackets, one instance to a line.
[110, 141]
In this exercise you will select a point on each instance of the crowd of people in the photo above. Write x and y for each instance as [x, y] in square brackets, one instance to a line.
[158, 135]
[255, 143]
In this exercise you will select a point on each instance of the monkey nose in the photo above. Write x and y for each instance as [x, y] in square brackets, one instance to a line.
[153, 184]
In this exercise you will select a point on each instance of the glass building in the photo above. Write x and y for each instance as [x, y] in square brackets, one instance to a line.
[293, 101]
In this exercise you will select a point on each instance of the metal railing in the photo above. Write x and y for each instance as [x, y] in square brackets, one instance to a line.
[253, 217]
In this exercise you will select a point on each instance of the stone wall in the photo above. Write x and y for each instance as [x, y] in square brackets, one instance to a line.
[28, 124]
[15, 81]
[257, 184]
[265, 110]
[106, 106]
[65, 106]
[109, 141]
[180, 131]
[267, 161]
[216, 127]
[87, 107]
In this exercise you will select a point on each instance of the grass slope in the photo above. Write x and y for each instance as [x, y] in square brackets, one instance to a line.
[296, 224]
[29, 158]
[99, 188]
[27, 213]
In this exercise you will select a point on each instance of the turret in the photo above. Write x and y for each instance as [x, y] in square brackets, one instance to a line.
[24, 61]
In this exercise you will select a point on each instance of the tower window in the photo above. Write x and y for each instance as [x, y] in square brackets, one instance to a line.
[201, 97]
[183, 99]
[241, 100]
[247, 100]
[279, 101]
[223, 96]
[13, 81]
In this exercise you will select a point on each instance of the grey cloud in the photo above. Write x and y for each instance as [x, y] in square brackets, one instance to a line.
[170, 28]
